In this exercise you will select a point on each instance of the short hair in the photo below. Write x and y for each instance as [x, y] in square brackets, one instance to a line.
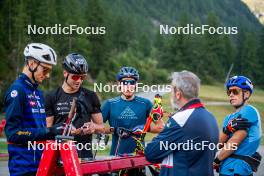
[187, 82]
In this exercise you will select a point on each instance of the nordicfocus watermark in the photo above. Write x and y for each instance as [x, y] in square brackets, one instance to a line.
[190, 145]
[58, 29]
[198, 30]
[65, 146]
[139, 87]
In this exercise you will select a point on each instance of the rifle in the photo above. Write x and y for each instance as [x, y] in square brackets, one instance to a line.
[68, 124]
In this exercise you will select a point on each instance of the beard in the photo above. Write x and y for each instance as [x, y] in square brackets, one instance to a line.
[174, 104]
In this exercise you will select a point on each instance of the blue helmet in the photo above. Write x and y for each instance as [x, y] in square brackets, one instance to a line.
[128, 72]
[241, 82]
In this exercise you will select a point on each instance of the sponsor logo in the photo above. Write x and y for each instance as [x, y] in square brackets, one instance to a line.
[14, 93]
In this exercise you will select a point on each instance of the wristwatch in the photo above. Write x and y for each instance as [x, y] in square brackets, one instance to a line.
[112, 129]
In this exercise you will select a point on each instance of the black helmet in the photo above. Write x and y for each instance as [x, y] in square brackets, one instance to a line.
[75, 63]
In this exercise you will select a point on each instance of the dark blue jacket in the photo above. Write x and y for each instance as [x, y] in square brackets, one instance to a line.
[25, 121]
[177, 146]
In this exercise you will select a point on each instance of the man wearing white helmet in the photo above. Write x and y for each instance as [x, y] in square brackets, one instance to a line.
[25, 112]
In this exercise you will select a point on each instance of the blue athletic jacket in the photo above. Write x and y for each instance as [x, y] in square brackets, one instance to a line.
[182, 147]
[25, 121]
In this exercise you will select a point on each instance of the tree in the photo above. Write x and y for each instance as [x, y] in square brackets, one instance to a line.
[95, 15]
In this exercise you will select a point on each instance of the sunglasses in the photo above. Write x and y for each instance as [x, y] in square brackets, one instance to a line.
[234, 91]
[128, 82]
[45, 70]
[77, 77]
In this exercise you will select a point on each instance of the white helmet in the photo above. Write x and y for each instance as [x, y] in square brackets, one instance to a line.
[41, 52]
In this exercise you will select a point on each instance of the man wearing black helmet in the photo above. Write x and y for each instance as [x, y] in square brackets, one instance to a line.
[58, 103]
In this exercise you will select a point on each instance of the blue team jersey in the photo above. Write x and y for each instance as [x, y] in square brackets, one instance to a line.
[249, 145]
[128, 114]
[25, 121]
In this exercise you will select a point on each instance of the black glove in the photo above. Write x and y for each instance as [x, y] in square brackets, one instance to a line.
[56, 129]
[216, 164]
[236, 124]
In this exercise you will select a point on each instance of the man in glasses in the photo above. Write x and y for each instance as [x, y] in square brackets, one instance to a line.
[241, 133]
[58, 104]
[127, 111]
[25, 112]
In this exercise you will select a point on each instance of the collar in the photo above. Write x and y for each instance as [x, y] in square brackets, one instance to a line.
[194, 103]
[27, 81]
[123, 98]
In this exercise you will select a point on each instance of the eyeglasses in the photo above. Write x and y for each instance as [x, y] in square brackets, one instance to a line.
[45, 70]
[234, 91]
[128, 82]
[77, 77]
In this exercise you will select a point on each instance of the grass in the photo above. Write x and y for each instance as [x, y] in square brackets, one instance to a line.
[3, 147]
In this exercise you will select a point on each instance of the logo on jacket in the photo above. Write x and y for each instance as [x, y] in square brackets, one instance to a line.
[14, 93]
[32, 103]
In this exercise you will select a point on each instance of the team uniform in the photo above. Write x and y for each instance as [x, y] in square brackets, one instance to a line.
[25, 121]
[192, 124]
[248, 146]
[58, 104]
[127, 114]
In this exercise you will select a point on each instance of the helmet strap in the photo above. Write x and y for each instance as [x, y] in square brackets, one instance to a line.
[33, 70]
[244, 100]
[66, 81]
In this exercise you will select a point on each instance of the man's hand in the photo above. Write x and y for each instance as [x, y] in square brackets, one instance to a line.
[236, 124]
[76, 131]
[88, 128]
[216, 164]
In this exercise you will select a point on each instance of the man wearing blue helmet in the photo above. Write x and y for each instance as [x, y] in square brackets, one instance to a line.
[127, 111]
[241, 133]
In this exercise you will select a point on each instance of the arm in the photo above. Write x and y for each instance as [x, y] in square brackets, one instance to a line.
[49, 121]
[98, 122]
[107, 130]
[155, 150]
[232, 144]
[49, 108]
[238, 127]
[96, 125]
[222, 138]
[158, 127]
[14, 107]
[106, 116]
